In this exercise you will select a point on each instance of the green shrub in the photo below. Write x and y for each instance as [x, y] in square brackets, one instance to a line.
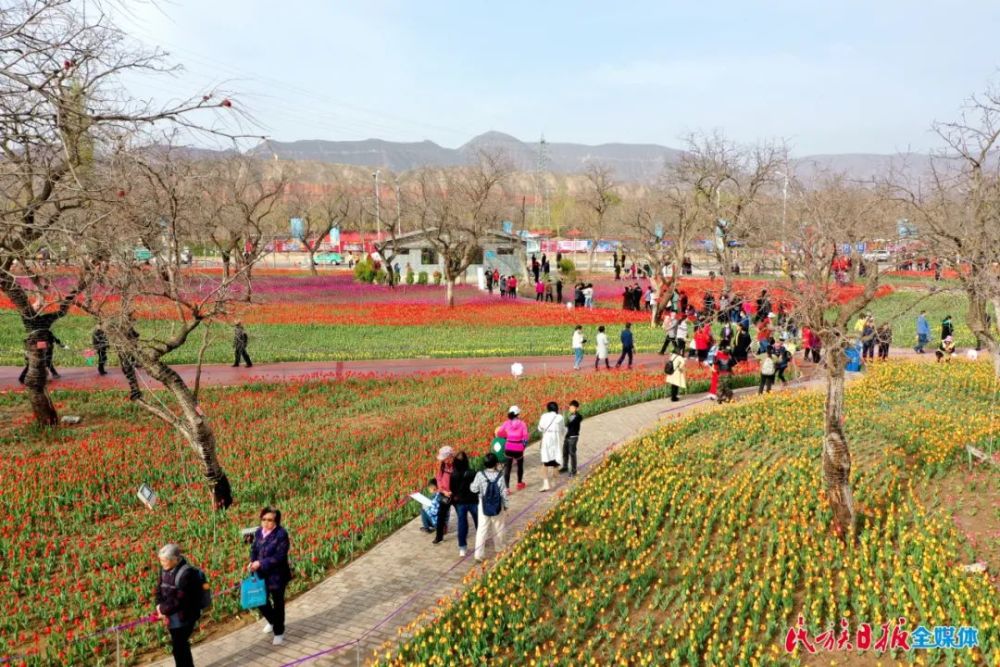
[567, 266]
[409, 274]
[381, 277]
[364, 271]
[422, 278]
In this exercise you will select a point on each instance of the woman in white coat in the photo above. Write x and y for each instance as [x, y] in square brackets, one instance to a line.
[552, 426]
[602, 349]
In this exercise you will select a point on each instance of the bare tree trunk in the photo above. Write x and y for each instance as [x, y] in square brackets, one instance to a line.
[312, 259]
[36, 381]
[993, 342]
[248, 280]
[450, 291]
[193, 426]
[836, 453]
[226, 260]
[590, 257]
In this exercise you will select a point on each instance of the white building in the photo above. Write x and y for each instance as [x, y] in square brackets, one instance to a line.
[498, 250]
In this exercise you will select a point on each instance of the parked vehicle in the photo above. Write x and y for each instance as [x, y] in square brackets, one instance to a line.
[329, 258]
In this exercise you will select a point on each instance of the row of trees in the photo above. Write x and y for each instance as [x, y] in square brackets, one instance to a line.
[88, 173]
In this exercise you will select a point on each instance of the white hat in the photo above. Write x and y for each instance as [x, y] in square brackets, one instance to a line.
[445, 452]
[516, 410]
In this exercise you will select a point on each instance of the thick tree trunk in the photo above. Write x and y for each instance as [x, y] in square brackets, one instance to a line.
[312, 260]
[226, 261]
[195, 429]
[248, 281]
[36, 380]
[836, 453]
[450, 291]
[590, 256]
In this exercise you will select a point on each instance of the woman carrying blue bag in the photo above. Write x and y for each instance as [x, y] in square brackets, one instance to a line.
[269, 561]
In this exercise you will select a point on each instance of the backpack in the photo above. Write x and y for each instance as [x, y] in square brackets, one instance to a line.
[767, 366]
[668, 368]
[492, 497]
[205, 599]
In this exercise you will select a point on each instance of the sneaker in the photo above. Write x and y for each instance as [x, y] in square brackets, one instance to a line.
[278, 640]
[712, 397]
[521, 485]
[437, 540]
[268, 628]
[461, 553]
[563, 470]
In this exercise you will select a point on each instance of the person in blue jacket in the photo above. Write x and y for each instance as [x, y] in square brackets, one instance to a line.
[628, 345]
[923, 332]
[269, 559]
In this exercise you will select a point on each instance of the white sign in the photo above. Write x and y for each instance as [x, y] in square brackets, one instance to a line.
[147, 496]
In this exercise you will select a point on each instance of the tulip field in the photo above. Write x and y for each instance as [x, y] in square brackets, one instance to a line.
[338, 457]
[703, 544]
[331, 318]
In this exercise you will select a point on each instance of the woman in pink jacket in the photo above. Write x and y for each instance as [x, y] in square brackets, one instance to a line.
[516, 433]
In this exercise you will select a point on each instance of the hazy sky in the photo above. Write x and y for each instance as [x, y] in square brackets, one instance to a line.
[829, 77]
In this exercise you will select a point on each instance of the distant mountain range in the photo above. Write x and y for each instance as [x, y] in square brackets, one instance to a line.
[631, 162]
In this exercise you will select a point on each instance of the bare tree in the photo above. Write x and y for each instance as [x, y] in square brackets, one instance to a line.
[598, 200]
[730, 181]
[162, 211]
[62, 111]
[320, 214]
[825, 218]
[455, 208]
[957, 209]
[244, 213]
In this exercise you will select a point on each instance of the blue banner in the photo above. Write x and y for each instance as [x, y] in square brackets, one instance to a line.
[298, 228]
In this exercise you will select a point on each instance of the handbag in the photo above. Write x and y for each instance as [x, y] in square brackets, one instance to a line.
[253, 592]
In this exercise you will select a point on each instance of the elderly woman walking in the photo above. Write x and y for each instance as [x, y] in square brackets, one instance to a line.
[269, 560]
[552, 426]
[446, 468]
[178, 599]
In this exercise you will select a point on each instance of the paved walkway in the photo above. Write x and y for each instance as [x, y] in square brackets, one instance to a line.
[218, 374]
[342, 620]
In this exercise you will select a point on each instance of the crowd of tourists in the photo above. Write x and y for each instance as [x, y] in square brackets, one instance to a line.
[481, 496]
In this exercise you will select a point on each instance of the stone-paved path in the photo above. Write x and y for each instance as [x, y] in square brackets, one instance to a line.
[355, 610]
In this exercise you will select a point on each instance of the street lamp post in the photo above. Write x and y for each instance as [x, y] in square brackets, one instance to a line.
[784, 208]
[378, 214]
[399, 217]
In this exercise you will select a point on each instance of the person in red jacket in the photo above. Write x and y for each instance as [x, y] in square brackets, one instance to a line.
[703, 342]
[512, 287]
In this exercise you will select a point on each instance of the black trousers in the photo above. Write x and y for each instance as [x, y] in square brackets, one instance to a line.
[766, 382]
[781, 375]
[241, 353]
[868, 349]
[666, 343]
[444, 510]
[180, 645]
[274, 610]
[569, 453]
[597, 363]
[675, 392]
[626, 352]
[102, 360]
[883, 350]
[509, 464]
